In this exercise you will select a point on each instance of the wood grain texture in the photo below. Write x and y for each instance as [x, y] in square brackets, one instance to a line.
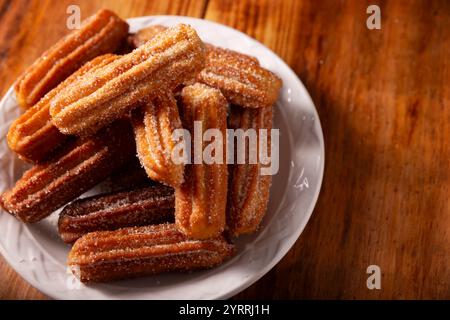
[382, 99]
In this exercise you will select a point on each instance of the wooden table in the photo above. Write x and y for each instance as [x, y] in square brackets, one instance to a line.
[382, 96]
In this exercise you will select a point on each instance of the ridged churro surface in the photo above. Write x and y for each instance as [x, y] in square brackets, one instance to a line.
[74, 169]
[200, 201]
[169, 59]
[33, 136]
[154, 124]
[99, 34]
[248, 190]
[132, 252]
[240, 78]
[137, 207]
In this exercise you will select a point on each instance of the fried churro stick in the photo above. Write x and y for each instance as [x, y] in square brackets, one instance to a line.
[33, 136]
[99, 34]
[138, 207]
[144, 35]
[240, 78]
[248, 190]
[168, 60]
[73, 170]
[133, 252]
[200, 201]
[154, 124]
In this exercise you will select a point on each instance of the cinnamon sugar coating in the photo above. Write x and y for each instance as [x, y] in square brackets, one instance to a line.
[74, 169]
[240, 78]
[132, 252]
[137, 207]
[248, 190]
[201, 200]
[171, 58]
[33, 136]
[154, 123]
[99, 34]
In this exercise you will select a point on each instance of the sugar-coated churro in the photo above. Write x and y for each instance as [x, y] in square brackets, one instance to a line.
[99, 34]
[169, 59]
[71, 171]
[248, 190]
[33, 135]
[132, 252]
[200, 201]
[137, 207]
[240, 78]
[154, 123]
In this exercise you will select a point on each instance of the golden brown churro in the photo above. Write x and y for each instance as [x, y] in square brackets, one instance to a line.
[73, 170]
[217, 58]
[144, 35]
[171, 58]
[99, 34]
[248, 190]
[240, 78]
[33, 136]
[132, 252]
[138, 207]
[200, 201]
[153, 125]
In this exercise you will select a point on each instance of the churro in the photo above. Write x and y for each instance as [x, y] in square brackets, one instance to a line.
[200, 201]
[138, 207]
[169, 59]
[33, 136]
[248, 190]
[74, 169]
[99, 34]
[240, 78]
[132, 252]
[154, 124]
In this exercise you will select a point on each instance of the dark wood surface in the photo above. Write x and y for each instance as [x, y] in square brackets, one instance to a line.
[382, 96]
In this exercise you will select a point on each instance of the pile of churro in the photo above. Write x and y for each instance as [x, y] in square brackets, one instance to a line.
[102, 105]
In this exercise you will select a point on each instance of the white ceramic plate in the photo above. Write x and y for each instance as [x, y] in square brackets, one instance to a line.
[38, 255]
